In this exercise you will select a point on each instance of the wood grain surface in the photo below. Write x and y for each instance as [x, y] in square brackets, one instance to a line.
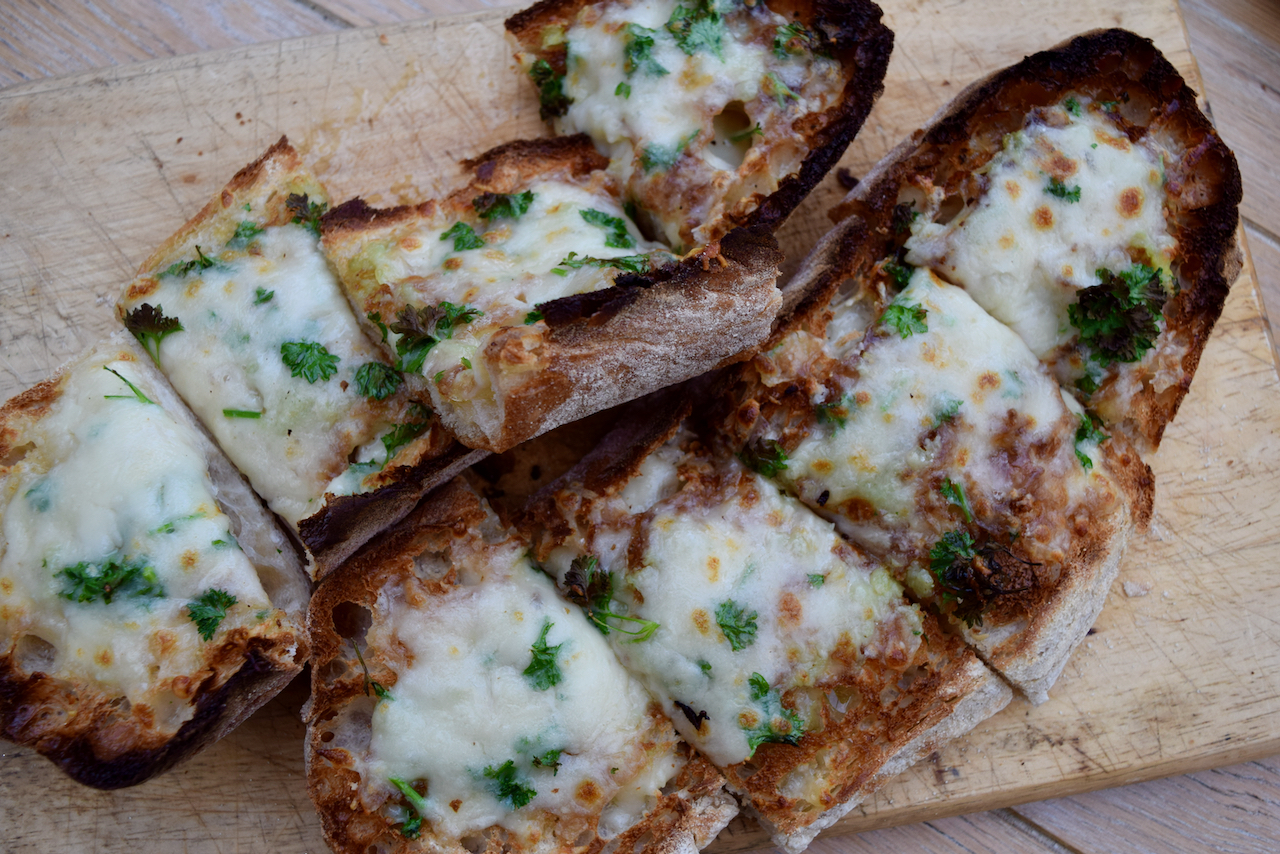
[106, 164]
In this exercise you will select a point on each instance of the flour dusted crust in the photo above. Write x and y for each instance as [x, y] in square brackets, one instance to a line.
[250, 253]
[436, 554]
[123, 731]
[600, 335]
[715, 181]
[868, 708]
[1121, 76]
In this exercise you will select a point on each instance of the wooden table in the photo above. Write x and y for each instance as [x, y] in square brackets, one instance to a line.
[1237, 43]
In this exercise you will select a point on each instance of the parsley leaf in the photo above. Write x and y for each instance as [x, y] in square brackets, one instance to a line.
[617, 237]
[754, 130]
[1059, 190]
[955, 546]
[550, 759]
[306, 212]
[491, 206]
[638, 52]
[764, 456]
[209, 611]
[246, 232]
[370, 684]
[905, 319]
[375, 317]
[420, 329]
[794, 39]
[412, 826]
[543, 672]
[817, 579]
[181, 269]
[904, 215]
[835, 412]
[898, 273]
[949, 410]
[137, 392]
[1092, 379]
[780, 91]
[1072, 106]
[88, 582]
[262, 295]
[308, 360]
[507, 786]
[777, 723]
[1119, 318]
[638, 264]
[623, 90]
[150, 327]
[402, 434]
[954, 493]
[532, 317]
[655, 156]
[698, 27]
[1089, 431]
[590, 587]
[377, 381]
[464, 237]
[738, 625]
[551, 97]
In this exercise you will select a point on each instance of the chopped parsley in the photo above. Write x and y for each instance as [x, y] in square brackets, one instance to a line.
[698, 27]
[905, 319]
[590, 587]
[780, 91]
[202, 261]
[777, 724]
[817, 579]
[90, 582]
[1072, 106]
[1059, 190]
[262, 295]
[137, 392]
[309, 360]
[898, 273]
[507, 786]
[1092, 379]
[794, 39]
[543, 672]
[623, 90]
[420, 329]
[209, 611]
[402, 434]
[246, 232]
[240, 413]
[306, 213]
[370, 684]
[949, 409]
[617, 235]
[835, 412]
[464, 237]
[904, 215]
[1118, 319]
[705, 667]
[755, 130]
[551, 97]
[764, 456]
[638, 52]
[656, 156]
[550, 759]
[954, 547]
[377, 381]
[375, 317]
[737, 623]
[954, 493]
[491, 206]
[412, 826]
[150, 327]
[638, 264]
[532, 317]
[1089, 431]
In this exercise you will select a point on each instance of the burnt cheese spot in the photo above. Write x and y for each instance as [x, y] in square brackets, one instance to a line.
[1042, 218]
[410, 243]
[713, 569]
[790, 612]
[189, 559]
[1013, 188]
[702, 620]
[104, 657]
[989, 380]
[452, 263]
[1006, 240]
[1061, 166]
[587, 792]
[455, 804]
[863, 398]
[1130, 203]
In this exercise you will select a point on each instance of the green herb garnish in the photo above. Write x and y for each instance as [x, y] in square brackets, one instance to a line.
[412, 827]
[1119, 318]
[638, 264]
[543, 672]
[137, 392]
[464, 237]
[1059, 190]
[240, 413]
[246, 232]
[491, 206]
[209, 611]
[780, 91]
[551, 97]
[777, 724]
[507, 786]
[954, 493]
[765, 456]
[262, 295]
[309, 360]
[150, 327]
[377, 381]
[617, 236]
[738, 624]
[89, 582]
[181, 269]
[698, 27]
[1089, 431]
[306, 213]
[590, 587]
[420, 329]
[905, 319]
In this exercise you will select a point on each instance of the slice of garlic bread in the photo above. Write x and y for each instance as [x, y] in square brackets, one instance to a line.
[148, 603]
[459, 704]
[242, 313]
[528, 299]
[787, 656]
[713, 114]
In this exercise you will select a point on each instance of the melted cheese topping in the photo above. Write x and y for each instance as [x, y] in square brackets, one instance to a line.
[464, 705]
[704, 106]
[228, 357]
[1025, 249]
[807, 594]
[506, 279]
[112, 478]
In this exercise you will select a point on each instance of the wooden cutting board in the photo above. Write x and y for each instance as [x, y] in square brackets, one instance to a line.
[97, 169]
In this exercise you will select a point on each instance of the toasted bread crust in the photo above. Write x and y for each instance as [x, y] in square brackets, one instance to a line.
[858, 39]
[95, 735]
[686, 817]
[1204, 193]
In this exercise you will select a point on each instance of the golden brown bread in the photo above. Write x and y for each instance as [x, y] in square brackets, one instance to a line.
[434, 560]
[1149, 105]
[529, 364]
[101, 725]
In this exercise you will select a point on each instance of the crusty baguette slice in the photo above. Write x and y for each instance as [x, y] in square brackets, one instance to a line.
[714, 115]
[934, 438]
[243, 315]
[148, 602]
[526, 299]
[1081, 197]
[459, 705]
[788, 657]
